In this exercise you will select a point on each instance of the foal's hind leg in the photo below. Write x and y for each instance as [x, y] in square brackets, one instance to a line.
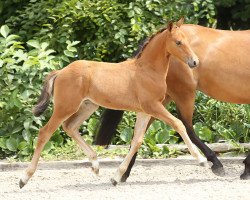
[71, 126]
[43, 137]
[142, 120]
[66, 102]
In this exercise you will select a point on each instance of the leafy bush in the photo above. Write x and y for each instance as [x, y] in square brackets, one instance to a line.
[22, 71]
[109, 30]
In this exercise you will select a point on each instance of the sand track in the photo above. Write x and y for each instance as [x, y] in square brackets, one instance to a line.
[180, 180]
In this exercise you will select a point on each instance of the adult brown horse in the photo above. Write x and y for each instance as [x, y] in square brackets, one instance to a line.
[223, 74]
[138, 85]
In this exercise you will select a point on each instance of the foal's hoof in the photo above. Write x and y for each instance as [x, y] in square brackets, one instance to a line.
[245, 176]
[95, 167]
[21, 184]
[113, 181]
[95, 170]
[218, 170]
[203, 162]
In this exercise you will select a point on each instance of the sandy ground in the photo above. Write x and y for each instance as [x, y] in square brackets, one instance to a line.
[147, 181]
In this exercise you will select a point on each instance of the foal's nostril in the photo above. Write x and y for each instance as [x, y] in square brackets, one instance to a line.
[194, 63]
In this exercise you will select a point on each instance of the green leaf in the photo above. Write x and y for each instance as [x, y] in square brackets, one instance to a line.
[26, 94]
[44, 45]
[22, 145]
[156, 126]
[26, 124]
[162, 136]
[165, 150]
[34, 43]
[11, 144]
[69, 53]
[57, 138]
[26, 151]
[17, 129]
[3, 143]
[126, 135]
[11, 37]
[4, 30]
[92, 125]
[48, 146]
[72, 49]
[75, 43]
[26, 135]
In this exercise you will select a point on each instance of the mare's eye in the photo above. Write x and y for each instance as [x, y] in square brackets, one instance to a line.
[178, 43]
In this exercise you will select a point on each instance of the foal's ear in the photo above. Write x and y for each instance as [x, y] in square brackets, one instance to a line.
[170, 26]
[180, 22]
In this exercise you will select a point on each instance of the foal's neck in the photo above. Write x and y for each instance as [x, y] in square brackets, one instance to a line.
[155, 55]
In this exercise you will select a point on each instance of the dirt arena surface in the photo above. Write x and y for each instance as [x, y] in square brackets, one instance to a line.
[149, 180]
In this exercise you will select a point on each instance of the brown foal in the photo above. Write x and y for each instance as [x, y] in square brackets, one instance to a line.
[137, 85]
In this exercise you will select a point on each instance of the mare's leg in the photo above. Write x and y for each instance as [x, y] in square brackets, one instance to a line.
[185, 107]
[71, 126]
[132, 162]
[246, 173]
[142, 120]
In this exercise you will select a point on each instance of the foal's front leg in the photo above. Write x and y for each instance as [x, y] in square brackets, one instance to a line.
[158, 111]
[142, 120]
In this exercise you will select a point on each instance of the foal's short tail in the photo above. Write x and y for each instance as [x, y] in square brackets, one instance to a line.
[109, 123]
[47, 91]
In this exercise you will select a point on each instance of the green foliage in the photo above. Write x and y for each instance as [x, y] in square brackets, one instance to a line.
[215, 120]
[233, 14]
[109, 30]
[22, 71]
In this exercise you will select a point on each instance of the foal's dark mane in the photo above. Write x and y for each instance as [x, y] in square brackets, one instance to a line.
[141, 47]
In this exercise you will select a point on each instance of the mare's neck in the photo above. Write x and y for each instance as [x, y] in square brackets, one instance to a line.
[155, 55]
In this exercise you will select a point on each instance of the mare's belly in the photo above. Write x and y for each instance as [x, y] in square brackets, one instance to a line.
[226, 84]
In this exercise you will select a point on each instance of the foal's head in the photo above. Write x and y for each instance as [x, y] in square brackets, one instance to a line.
[178, 45]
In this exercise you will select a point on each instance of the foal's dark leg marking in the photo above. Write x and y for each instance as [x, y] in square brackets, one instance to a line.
[217, 166]
[246, 173]
[21, 184]
[127, 173]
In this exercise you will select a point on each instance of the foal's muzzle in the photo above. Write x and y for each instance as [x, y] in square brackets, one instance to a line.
[192, 63]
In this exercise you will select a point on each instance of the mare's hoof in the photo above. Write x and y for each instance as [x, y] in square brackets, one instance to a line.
[124, 179]
[21, 184]
[113, 181]
[245, 176]
[218, 170]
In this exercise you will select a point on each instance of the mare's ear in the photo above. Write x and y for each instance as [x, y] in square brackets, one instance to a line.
[170, 26]
[180, 22]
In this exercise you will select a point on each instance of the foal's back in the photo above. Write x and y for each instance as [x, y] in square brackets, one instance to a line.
[109, 85]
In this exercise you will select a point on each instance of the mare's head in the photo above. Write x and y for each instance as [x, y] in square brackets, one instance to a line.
[178, 45]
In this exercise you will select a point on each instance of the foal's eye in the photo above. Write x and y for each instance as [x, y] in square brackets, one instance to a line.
[178, 43]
